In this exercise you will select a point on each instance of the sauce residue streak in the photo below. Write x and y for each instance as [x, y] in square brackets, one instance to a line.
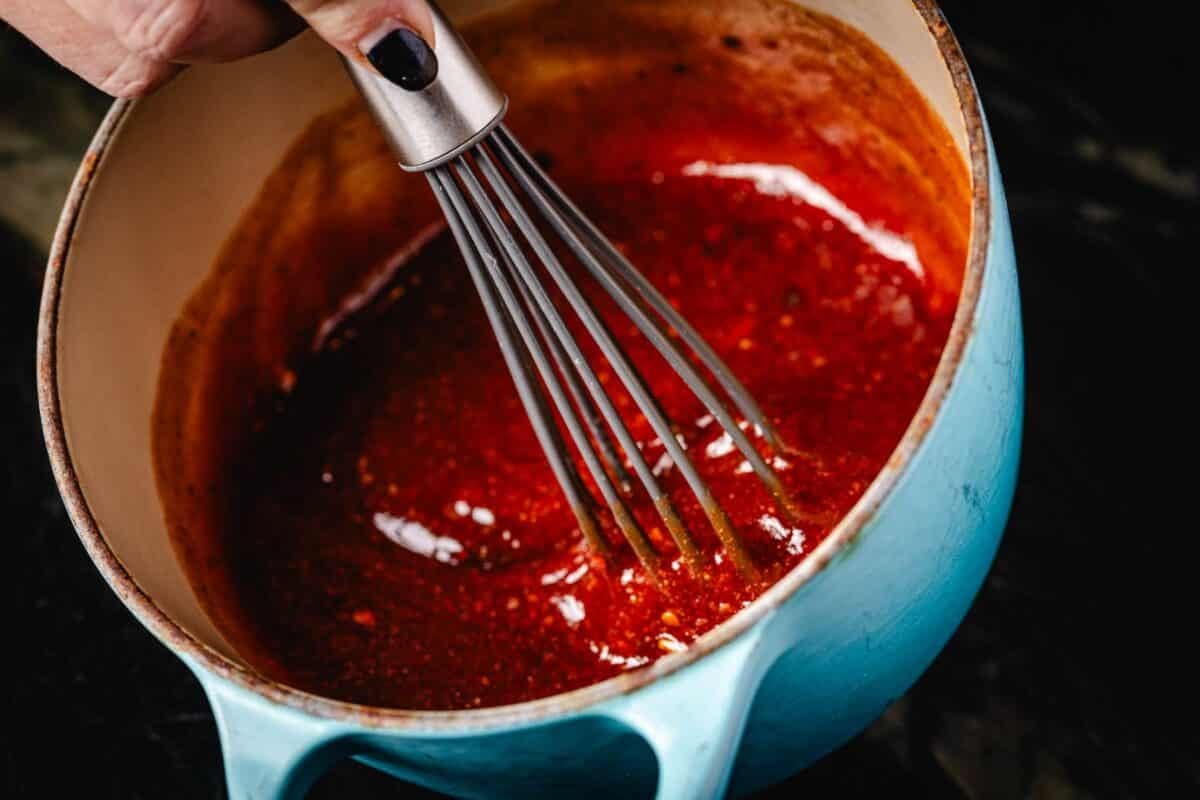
[346, 469]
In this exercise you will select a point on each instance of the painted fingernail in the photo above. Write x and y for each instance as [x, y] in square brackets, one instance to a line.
[403, 57]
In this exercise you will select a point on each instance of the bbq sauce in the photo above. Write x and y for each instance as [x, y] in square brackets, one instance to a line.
[346, 470]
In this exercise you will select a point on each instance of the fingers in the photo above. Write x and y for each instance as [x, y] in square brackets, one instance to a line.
[394, 36]
[86, 49]
[189, 31]
[128, 47]
[352, 25]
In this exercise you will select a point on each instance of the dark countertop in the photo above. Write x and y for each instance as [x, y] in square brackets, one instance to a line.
[1071, 677]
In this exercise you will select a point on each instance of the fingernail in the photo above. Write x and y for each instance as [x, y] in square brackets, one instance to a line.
[401, 56]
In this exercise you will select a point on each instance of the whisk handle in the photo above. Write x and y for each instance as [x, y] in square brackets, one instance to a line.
[432, 125]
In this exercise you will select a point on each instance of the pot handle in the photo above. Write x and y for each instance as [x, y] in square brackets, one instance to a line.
[694, 718]
[271, 752]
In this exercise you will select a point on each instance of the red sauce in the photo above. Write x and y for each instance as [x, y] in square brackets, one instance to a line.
[348, 473]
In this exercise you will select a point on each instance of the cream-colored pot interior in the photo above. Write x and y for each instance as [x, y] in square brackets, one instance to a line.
[170, 187]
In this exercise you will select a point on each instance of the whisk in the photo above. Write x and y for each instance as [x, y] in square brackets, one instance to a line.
[452, 131]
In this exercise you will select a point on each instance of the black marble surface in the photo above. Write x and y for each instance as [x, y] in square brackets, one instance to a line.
[1073, 675]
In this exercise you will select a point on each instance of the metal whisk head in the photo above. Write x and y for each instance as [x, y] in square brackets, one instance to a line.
[452, 132]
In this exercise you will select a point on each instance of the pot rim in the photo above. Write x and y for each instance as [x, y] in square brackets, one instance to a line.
[560, 705]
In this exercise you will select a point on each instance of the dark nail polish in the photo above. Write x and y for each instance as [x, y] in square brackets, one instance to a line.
[404, 59]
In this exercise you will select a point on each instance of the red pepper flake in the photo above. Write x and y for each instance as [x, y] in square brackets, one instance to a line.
[669, 644]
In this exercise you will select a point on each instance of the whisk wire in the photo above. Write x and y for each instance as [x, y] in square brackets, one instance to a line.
[554, 322]
[590, 415]
[658, 336]
[521, 164]
[600, 335]
[625, 520]
[461, 223]
[544, 357]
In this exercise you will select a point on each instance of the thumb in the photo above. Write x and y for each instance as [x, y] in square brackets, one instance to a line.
[395, 36]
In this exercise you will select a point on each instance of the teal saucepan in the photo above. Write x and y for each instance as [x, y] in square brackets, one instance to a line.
[795, 674]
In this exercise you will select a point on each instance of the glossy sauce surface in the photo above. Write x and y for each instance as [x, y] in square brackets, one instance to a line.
[347, 471]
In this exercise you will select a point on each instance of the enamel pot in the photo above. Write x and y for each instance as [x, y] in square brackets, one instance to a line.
[795, 674]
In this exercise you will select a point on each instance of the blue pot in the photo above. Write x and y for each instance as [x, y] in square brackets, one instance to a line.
[800, 671]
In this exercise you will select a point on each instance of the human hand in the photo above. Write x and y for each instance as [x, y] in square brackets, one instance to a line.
[127, 48]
